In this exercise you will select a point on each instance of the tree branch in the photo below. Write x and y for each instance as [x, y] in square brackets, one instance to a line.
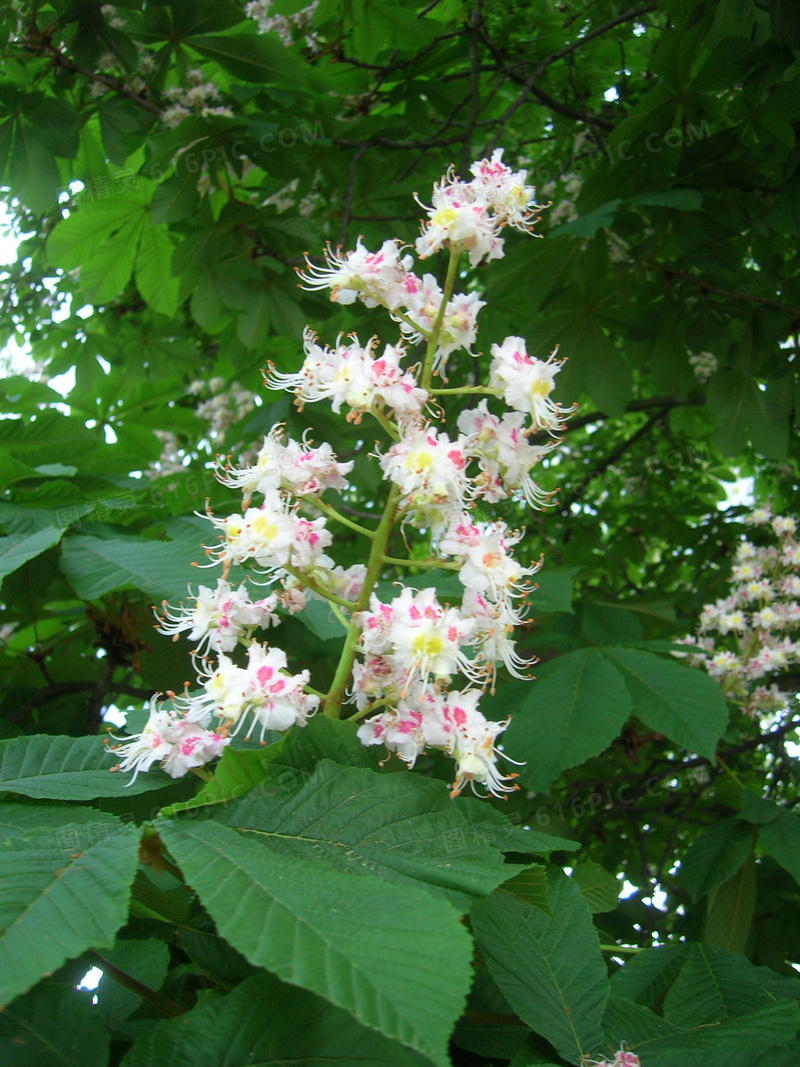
[612, 457]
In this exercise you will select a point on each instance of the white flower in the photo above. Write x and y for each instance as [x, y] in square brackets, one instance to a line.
[264, 691]
[219, 617]
[732, 621]
[527, 382]
[265, 535]
[504, 455]
[504, 191]
[193, 746]
[494, 626]
[178, 744]
[488, 567]
[350, 374]
[174, 115]
[768, 619]
[452, 724]
[459, 220]
[784, 524]
[423, 637]
[430, 469]
[373, 277]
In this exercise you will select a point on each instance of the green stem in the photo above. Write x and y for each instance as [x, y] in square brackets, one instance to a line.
[387, 424]
[163, 1005]
[340, 616]
[410, 322]
[444, 565]
[620, 950]
[312, 584]
[731, 774]
[433, 340]
[335, 697]
[332, 513]
[366, 711]
[466, 390]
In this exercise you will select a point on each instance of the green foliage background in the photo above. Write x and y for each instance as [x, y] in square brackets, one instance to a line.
[311, 904]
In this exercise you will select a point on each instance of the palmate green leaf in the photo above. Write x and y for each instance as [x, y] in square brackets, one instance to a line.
[609, 624]
[56, 123]
[212, 953]
[681, 702]
[32, 169]
[714, 985]
[577, 707]
[588, 225]
[395, 957]
[740, 412]
[106, 273]
[595, 365]
[61, 894]
[321, 621]
[324, 738]
[68, 768]
[176, 198]
[730, 909]
[530, 886]
[553, 591]
[267, 1023]
[756, 809]
[598, 888]
[549, 969]
[492, 827]
[74, 239]
[741, 1042]
[254, 59]
[647, 975]
[17, 817]
[252, 327]
[718, 852]
[53, 1025]
[154, 278]
[781, 839]
[95, 566]
[489, 1026]
[682, 199]
[19, 548]
[400, 827]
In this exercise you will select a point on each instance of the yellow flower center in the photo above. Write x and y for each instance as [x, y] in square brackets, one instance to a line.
[541, 387]
[419, 461]
[264, 528]
[427, 645]
[444, 217]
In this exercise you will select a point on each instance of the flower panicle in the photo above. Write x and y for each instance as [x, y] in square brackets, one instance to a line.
[415, 666]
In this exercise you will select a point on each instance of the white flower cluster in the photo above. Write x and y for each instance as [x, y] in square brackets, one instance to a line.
[565, 210]
[351, 374]
[471, 215]
[178, 743]
[112, 17]
[414, 666]
[171, 459]
[226, 405]
[196, 97]
[757, 626]
[218, 620]
[284, 25]
[704, 365]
